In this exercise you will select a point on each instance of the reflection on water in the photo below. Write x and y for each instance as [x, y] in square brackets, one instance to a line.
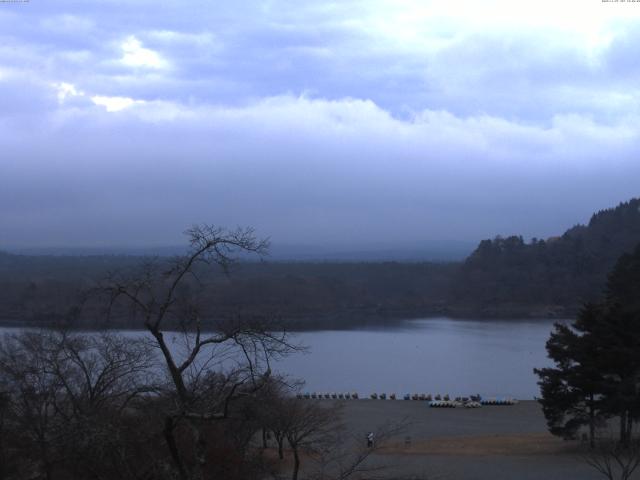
[438, 355]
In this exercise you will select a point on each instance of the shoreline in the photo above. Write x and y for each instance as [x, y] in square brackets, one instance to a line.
[496, 442]
[300, 326]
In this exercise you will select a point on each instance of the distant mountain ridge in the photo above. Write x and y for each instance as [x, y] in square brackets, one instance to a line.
[552, 274]
[440, 251]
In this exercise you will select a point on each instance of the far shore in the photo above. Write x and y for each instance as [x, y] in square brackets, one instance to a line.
[300, 325]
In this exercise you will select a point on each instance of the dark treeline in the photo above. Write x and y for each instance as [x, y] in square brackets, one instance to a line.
[39, 290]
[503, 277]
[553, 277]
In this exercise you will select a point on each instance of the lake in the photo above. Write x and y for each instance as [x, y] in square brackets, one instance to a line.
[435, 355]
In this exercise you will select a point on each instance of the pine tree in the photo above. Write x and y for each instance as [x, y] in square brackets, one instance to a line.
[571, 392]
[619, 331]
[597, 372]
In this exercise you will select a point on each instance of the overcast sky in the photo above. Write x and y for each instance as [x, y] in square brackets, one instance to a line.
[328, 123]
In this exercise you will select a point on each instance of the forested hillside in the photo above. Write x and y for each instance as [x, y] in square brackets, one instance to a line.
[552, 276]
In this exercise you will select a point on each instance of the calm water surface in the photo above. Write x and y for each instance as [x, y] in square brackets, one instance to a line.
[459, 357]
[437, 355]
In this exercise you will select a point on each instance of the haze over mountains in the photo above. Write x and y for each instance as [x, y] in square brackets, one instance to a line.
[502, 277]
[433, 251]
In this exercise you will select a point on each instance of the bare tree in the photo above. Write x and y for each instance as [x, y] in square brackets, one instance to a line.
[307, 427]
[100, 370]
[7, 454]
[166, 296]
[105, 377]
[66, 393]
[614, 460]
[32, 391]
[347, 456]
[277, 425]
[274, 411]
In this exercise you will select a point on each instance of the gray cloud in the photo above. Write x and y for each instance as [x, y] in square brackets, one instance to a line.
[123, 123]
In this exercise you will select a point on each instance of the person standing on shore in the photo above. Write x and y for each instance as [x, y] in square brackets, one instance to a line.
[370, 440]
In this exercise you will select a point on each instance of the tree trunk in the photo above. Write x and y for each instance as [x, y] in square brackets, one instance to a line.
[623, 428]
[592, 423]
[296, 464]
[280, 441]
[175, 373]
[46, 463]
[200, 451]
[264, 438]
[173, 448]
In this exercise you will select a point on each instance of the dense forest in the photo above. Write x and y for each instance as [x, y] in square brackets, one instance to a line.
[37, 290]
[503, 277]
[551, 277]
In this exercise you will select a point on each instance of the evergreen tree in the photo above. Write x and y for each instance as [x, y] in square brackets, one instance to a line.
[597, 372]
[571, 392]
[619, 330]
